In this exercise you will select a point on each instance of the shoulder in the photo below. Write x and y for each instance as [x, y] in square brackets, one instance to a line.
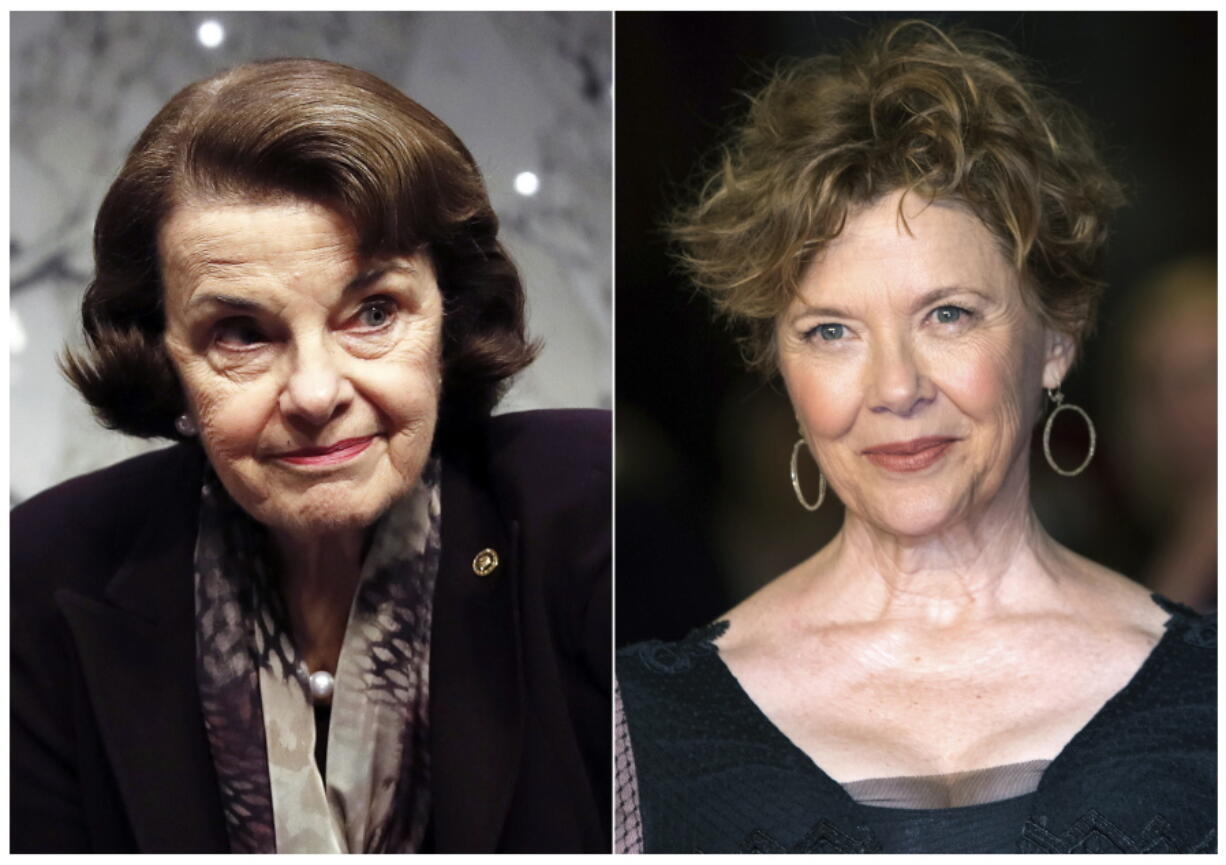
[1167, 713]
[546, 472]
[1173, 697]
[76, 532]
[1142, 775]
[756, 623]
[654, 673]
[684, 714]
[1182, 667]
[555, 462]
[556, 443]
[105, 499]
[1192, 655]
[549, 476]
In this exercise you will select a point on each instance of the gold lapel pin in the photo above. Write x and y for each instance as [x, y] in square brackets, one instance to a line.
[485, 562]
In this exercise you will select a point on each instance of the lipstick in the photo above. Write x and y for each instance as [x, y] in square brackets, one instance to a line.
[342, 451]
[909, 456]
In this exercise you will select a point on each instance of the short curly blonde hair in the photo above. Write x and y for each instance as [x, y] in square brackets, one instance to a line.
[952, 115]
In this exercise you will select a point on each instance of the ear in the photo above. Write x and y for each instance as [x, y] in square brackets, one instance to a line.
[1060, 352]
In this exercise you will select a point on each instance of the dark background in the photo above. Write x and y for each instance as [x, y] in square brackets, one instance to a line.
[705, 512]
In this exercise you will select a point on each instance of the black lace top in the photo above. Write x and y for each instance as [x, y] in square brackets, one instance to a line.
[701, 769]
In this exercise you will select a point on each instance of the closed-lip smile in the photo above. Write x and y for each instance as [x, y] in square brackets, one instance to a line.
[326, 455]
[909, 456]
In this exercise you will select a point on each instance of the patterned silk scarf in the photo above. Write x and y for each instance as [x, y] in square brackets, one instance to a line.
[375, 797]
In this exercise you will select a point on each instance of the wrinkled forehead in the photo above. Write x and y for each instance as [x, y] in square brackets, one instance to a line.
[214, 238]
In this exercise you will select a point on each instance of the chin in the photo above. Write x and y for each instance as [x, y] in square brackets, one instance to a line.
[914, 518]
[327, 520]
[324, 510]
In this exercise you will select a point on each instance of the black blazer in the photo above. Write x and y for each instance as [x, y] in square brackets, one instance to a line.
[109, 751]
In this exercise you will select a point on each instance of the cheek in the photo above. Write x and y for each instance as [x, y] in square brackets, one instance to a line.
[980, 388]
[232, 418]
[231, 415]
[406, 399]
[405, 391]
[826, 400]
[988, 382]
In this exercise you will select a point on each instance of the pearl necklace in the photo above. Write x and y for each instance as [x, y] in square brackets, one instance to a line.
[322, 684]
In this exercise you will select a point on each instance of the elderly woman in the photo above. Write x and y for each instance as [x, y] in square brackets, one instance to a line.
[349, 611]
[910, 233]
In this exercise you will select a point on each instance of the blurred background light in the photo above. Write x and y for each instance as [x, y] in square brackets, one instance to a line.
[211, 34]
[527, 183]
[17, 334]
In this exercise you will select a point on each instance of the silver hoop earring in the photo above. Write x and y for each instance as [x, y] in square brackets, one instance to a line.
[185, 426]
[821, 484]
[1058, 398]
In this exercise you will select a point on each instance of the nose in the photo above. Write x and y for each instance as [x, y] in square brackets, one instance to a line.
[899, 384]
[317, 389]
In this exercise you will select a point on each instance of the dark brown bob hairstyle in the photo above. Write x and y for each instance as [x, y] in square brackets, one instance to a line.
[955, 116]
[324, 133]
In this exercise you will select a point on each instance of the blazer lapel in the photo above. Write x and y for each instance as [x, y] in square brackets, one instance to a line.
[138, 657]
[476, 689]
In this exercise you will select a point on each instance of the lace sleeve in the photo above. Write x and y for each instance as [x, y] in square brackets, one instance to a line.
[628, 825]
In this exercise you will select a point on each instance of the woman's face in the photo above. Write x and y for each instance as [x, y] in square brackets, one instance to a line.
[914, 367]
[312, 374]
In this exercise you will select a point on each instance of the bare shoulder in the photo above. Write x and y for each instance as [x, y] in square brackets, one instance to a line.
[755, 622]
[1110, 597]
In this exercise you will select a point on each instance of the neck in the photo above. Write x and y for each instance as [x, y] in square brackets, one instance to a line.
[997, 562]
[319, 576]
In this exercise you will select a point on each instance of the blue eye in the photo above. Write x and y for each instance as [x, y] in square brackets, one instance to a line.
[376, 313]
[830, 332]
[949, 314]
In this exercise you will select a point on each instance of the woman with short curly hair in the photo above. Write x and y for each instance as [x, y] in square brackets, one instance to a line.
[322, 620]
[910, 234]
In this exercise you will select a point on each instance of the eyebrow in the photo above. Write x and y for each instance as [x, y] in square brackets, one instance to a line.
[947, 291]
[363, 280]
[927, 299]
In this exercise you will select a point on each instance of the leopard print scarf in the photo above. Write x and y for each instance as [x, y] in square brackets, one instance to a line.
[375, 797]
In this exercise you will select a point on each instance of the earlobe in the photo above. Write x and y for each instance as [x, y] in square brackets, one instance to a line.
[1061, 351]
